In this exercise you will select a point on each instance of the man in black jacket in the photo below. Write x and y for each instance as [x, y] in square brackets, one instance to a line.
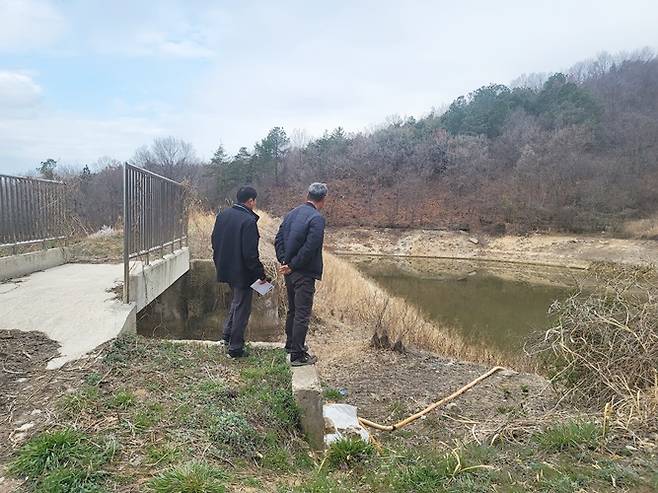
[235, 253]
[299, 251]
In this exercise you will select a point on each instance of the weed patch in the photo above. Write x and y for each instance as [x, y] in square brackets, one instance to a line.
[571, 435]
[332, 394]
[83, 400]
[347, 453]
[124, 349]
[66, 459]
[190, 478]
[162, 454]
[71, 480]
[123, 399]
[234, 431]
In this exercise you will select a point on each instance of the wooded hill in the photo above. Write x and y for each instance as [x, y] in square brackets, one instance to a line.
[579, 153]
[574, 151]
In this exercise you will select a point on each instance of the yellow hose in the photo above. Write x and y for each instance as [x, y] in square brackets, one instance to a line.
[431, 407]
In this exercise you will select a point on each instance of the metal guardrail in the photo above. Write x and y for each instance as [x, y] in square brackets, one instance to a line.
[32, 210]
[154, 218]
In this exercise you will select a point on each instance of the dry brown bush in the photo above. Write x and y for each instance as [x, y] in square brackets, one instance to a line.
[642, 228]
[603, 348]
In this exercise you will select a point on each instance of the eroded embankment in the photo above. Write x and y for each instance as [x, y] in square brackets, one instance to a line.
[551, 250]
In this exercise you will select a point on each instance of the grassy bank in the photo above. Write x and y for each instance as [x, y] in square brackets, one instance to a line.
[150, 416]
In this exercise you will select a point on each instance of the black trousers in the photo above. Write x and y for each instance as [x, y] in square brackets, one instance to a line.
[238, 317]
[300, 290]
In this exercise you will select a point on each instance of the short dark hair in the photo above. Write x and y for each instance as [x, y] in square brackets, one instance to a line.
[317, 191]
[246, 193]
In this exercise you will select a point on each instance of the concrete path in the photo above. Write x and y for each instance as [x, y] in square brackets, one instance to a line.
[72, 304]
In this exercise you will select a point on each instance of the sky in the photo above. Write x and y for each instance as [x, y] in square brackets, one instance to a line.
[86, 79]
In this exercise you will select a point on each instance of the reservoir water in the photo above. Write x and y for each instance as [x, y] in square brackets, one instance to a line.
[497, 305]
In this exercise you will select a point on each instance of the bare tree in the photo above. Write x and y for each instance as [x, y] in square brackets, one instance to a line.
[169, 156]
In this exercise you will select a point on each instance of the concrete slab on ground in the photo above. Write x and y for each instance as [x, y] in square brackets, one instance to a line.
[342, 421]
[72, 304]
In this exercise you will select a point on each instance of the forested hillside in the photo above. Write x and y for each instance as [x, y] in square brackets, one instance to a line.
[577, 154]
[566, 152]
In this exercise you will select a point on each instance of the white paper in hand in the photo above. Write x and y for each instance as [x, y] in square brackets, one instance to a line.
[262, 288]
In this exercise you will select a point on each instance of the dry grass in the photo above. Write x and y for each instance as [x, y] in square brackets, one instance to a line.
[198, 234]
[103, 249]
[345, 294]
[603, 350]
[642, 228]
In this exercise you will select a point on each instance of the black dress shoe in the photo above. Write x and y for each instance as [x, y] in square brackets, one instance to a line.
[305, 360]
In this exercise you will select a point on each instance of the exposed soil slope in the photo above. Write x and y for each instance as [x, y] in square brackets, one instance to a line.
[560, 250]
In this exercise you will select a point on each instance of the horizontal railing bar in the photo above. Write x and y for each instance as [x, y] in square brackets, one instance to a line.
[157, 247]
[154, 175]
[32, 242]
[30, 178]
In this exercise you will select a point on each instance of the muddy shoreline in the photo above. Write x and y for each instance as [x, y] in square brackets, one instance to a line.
[570, 251]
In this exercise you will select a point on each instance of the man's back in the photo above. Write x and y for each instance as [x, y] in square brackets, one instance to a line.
[235, 247]
[299, 240]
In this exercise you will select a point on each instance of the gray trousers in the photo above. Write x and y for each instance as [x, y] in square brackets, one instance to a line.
[238, 317]
[301, 290]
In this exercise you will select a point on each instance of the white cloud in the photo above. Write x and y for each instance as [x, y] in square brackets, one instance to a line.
[29, 24]
[70, 138]
[18, 93]
[290, 63]
[170, 29]
[158, 43]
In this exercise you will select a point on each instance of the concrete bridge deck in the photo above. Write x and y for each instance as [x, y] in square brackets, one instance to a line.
[72, 304]
[78, 305]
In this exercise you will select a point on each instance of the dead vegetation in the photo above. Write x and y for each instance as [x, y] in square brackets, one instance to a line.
[603, 350]
[347, 295]
[643, 228]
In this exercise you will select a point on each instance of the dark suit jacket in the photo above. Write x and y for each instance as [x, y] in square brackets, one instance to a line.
[235, 247]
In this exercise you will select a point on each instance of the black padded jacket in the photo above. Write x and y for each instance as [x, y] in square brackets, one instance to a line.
[299, 240]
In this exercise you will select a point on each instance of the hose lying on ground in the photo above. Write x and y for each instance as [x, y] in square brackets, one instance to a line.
[431, 407]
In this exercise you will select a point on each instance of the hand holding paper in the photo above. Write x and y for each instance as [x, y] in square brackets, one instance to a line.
[262, 287]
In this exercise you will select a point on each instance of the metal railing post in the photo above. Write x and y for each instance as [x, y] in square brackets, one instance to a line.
[126, 237]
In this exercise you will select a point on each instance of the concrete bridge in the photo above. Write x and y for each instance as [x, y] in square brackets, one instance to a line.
[80, 305]
[84, 305]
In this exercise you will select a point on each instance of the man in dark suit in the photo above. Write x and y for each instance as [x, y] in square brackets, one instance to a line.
[235, 253]
[299, 251]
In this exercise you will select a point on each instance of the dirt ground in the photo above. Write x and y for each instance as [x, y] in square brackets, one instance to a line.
[27, 387]
[23, 356]
[557, 250]
[387, 386]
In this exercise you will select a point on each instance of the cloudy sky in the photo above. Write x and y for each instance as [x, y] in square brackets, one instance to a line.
[82, 79]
